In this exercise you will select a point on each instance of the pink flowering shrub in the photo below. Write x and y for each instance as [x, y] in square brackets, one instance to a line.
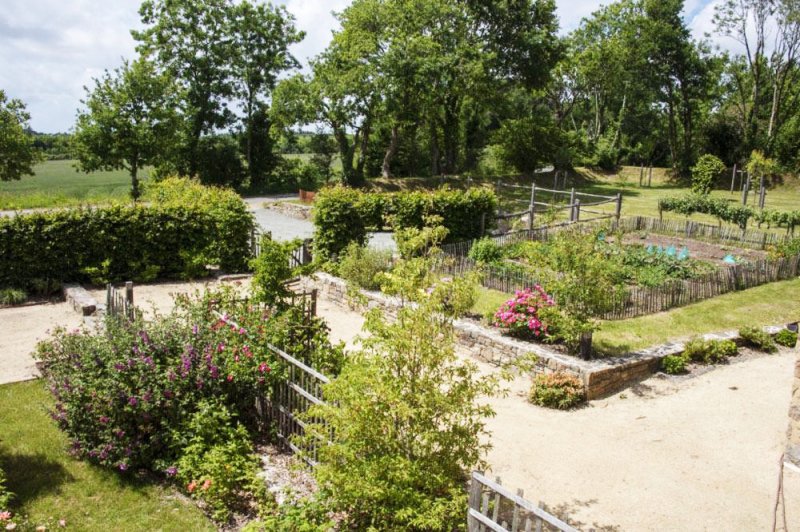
[529, 314]
[122, 394]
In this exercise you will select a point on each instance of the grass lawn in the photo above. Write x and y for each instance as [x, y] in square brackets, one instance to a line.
[57, 184]
[770, 304]
[50, 485]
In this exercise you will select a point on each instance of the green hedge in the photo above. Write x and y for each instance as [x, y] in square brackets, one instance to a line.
[343, 215]
[40, 251]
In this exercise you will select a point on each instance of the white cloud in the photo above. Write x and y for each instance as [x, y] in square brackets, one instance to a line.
[50, 49]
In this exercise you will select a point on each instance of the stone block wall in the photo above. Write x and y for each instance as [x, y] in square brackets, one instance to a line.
[601, 377]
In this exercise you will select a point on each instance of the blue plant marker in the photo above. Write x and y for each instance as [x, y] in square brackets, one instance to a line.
[601, 237]
[671, 251]
[650, 249]
[660, 250]
[729, 259]
[684, 254]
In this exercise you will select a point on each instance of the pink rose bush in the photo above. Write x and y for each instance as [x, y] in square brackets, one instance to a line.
[527, 314]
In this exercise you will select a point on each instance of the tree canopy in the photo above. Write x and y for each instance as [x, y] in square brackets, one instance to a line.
[17, 152]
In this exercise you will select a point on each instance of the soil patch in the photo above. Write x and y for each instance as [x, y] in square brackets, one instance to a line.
[698, 249]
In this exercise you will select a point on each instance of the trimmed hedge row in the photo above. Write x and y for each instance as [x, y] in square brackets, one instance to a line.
[40, 251]
[721, 209]
[343, 215]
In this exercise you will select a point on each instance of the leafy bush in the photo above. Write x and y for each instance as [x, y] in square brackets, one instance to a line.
[786, 338]
[342, 215]
[5, 501]
[789, 248]
[216, 461]
[307, 515]
[486, 251]
[271, 270]
[758, 339]
[525, 315]
[337, 222]
[709, 351]
[184, 227]
[12, 296]
[557, 390]
[360, 266]
[673, 364]
[406, 417]
[723, 210]
[704, 173]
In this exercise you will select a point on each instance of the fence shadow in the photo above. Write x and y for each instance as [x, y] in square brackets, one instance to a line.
[30, 476]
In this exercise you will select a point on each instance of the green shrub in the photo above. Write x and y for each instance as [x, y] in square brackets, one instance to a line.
[216, 461]
[182, 230]
[360, 265]
[758, 339]
[271, 270]
[786, 338]
[342, 215]
[337, 222]
[486, 251]
[673, 364]
[704, 173]
[5, 500]
[306, 515]
[12, 296]
[709, 351]
[557, 390]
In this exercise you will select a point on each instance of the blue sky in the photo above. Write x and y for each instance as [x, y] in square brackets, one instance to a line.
[51, 49]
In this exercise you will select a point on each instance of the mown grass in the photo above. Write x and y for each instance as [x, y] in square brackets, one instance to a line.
[770, 304]
[50, 485]
[58, 184]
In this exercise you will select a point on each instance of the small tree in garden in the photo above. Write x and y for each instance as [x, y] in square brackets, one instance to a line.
[405, 413]
[760, 165]
[704, 173]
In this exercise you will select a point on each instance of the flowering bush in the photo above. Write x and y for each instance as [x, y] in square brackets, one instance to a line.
[121, 394]
[527, 314]
[557, 390]
[5, 502]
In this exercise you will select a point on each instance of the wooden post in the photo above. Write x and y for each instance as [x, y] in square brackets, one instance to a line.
[745, 188]
[483, 223]
[641, 175]
[572, 205]
[586, 345]
[733, 178]
[650, 177]
[762, 194]
[577, 210]
[129, 292]
[533, 207]
[619, 205]
[555, 179]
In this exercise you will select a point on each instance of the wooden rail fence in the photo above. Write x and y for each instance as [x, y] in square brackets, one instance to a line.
[493, 507]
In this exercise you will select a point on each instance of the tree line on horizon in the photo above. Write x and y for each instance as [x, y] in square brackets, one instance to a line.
[435, 87]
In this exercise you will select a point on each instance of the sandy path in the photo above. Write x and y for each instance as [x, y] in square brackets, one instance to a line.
[693, 454]
[21, 328]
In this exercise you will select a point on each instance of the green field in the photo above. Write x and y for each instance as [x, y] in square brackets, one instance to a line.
[49, 485]
[58, 184]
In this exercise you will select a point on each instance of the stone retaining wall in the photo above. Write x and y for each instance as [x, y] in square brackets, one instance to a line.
[601, 377]
[293, 210]
[793, 443]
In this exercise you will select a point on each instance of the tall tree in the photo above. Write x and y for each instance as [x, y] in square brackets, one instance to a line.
[261, 35]
[191, 40]
[17, 153]
[130, 121]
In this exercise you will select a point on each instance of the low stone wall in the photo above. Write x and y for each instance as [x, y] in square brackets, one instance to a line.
[793, 442]
[293, 210]
[601, 377]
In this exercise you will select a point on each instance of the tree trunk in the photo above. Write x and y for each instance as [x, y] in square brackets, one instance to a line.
[434, 148]
[345, 154]
[386, 170]
[135, 180]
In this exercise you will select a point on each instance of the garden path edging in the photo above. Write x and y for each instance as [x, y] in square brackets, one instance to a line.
[601, 377]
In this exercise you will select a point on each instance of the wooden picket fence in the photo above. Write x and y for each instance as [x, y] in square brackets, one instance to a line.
[702, 231]
[119, 301]
[493, 507]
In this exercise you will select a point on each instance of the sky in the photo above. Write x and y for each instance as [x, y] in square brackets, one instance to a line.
[51, 49]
